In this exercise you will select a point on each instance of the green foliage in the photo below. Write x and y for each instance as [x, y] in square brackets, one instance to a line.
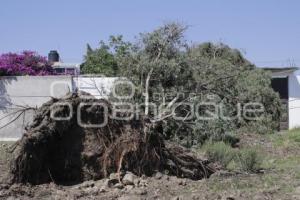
[292, 135]
[264, 126]
[288, 139]
[295, 136]
[220, 51]
[236, 84]
[245, 159]
[249, 160]
[160, 51]
[217, 130]
[254, 86]
[219, 152]
[99, 61]
[210, 72]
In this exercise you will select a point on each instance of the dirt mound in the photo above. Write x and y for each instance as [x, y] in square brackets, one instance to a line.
[59, 150]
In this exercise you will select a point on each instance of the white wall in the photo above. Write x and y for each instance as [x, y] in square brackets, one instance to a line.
[294, 100]
[100, 87]
[34, 91]
[30, 91]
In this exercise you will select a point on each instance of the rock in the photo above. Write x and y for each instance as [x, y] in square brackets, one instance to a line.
[136, 182]
[4, 186]
[92, 190]
[129, 187]
[143, 183]
[107, 183]
[102, 189]
[114, 176]
[129, 179]
[86, 184]
[176, 198]
[119, 186]
[182, 182]
[158, 175]
[230, 198]
[111, 183]
[101, 182]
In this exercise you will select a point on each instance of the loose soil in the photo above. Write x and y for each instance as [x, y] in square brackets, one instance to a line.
[280, 180]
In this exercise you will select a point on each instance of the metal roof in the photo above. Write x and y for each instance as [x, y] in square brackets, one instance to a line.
[281, 72]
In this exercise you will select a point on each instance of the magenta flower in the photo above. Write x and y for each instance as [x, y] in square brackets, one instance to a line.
[26, 63]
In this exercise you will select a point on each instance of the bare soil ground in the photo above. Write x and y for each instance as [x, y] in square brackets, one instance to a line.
[280, 179]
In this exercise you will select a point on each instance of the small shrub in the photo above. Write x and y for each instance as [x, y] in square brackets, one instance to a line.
[262, 127]
[288, 139]
[227, 138]
[294, 135]
[219, 152]
[249, 160]
[216, 131]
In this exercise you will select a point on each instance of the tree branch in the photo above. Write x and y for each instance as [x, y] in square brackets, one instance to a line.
[146, 94]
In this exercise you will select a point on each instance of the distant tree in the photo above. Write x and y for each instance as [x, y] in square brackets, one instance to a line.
[25, 63]
[99, 61]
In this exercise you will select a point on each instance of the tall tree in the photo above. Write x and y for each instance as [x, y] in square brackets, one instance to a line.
[162, 63]
[99, 61]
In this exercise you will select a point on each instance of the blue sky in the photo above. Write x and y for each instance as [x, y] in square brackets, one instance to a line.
[267, 31]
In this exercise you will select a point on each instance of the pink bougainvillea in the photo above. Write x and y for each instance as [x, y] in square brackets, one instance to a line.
[25, 63]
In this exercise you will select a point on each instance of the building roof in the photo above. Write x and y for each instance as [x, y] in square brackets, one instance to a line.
[281, 72]
[65, 65]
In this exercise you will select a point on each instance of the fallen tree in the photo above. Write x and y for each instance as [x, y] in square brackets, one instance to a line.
[64, 152]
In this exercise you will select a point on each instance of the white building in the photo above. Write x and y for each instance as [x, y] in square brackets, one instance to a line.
[286, 81]
[61, 68]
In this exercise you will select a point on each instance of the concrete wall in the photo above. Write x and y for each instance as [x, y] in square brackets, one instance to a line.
[30, 91]
[33, 91]
[294, 100]
[100, 87]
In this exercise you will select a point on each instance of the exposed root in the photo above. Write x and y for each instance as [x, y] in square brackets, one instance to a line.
[66, 153]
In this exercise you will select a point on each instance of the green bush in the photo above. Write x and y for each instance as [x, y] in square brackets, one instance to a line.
[219, 152]
[260, 127]
[216, 131]
[294, 135]
[228, 138]
[249, 160]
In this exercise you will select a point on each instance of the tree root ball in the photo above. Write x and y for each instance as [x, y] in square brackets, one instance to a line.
[63, 152]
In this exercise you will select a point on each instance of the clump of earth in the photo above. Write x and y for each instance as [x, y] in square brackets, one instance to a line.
[57, 149]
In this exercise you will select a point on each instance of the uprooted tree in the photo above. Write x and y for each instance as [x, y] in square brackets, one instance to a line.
[69, 151]
[160, 63]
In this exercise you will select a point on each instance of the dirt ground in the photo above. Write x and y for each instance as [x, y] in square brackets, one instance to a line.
[280, 179]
